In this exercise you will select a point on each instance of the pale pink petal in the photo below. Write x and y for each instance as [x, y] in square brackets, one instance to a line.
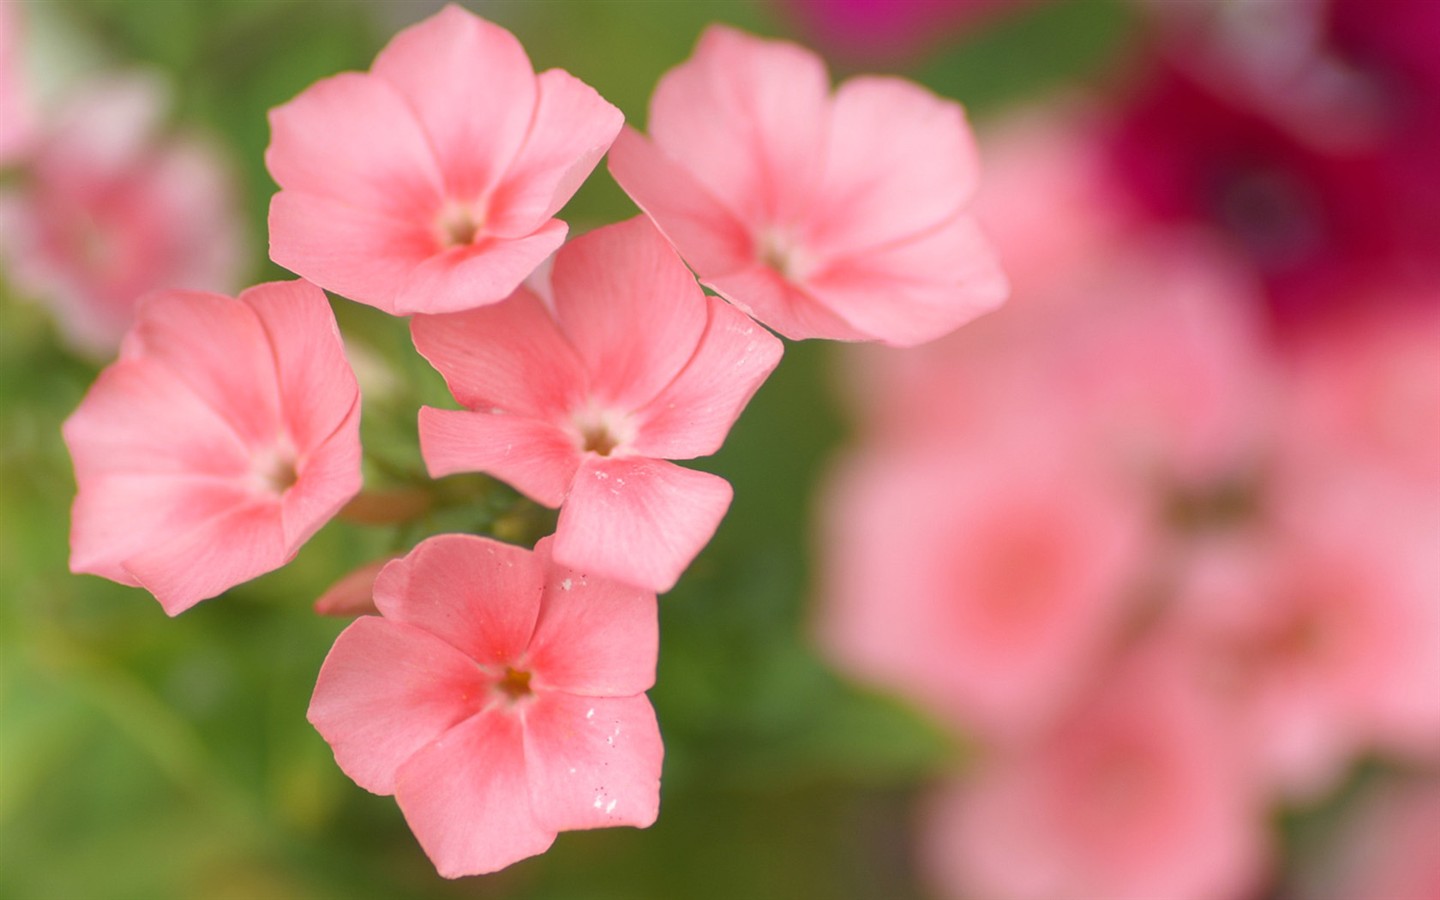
[693, 414]
[899, 161]
[188, 333]
[510, 356]
[117, 516]
[326, 478]
[351, 139]
[595, 637]
[365, 255]
[748, 117]
[317, 387]
[386, 691]
[639, 521]
[354, 594]
[467, 799]
[182, 433]
[206, 559]
[707, 234]
[478, 274]
[534, 457]
[478, 595]
[630, 307]
[764, 294]
[593, 762]
[916, 290]
[573, 128]
[471, 87]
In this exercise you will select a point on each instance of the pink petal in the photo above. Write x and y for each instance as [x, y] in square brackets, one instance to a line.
[117, 516]
[188, 332]
[386, 691]
[693, 414]
[764, 294]
[707, 234]
[918, 289]
[207, 558]
[467, 799]
[534, 457]
[593, 762]
[182, 434]
[594, 637]
[631, 309]
[899, 161]
[365, 255]
[510, 356]
[639, 521]
[471, 87]
[318, 389]
[573, 128]
[748, 118]
[353, 140]
[326, 478]
[478, 595]
[482, 273]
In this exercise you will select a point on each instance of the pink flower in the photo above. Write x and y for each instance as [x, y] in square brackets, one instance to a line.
[984, 581]
[226, 434]
[16, 114]
[430, 183]
[108, 210]
[1137, 796]
[839, 216]
[500, 699]
[578, 404]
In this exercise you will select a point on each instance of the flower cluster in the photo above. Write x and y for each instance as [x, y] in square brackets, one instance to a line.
[499, 692]
[1193, 579]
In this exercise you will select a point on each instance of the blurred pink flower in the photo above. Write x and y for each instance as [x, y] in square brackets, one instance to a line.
[579, 404]
[224, 436]
[1136, 796]
[430, 183]
[985, 580]
[836, 216]
[500, 699]
[107, 209]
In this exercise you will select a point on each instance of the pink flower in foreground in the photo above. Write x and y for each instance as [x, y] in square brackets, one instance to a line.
[579, 404]
[500, 699]
[839, 216]
[107, 210]
[224, 436]
[1138, 796]
[430, 183]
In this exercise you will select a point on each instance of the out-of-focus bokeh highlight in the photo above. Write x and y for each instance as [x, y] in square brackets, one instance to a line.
[1130, 589]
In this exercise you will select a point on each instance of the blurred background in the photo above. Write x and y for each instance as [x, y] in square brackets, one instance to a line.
[1131, 589]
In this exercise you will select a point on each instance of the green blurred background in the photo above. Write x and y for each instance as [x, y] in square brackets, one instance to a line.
[144, 757]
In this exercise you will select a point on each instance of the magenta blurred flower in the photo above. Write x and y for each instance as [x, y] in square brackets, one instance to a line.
[1306, 132]
[579, 403]
[500, 699]
[1137, 795]
[430, 183]
[224, 436]
[839, 215]
[107, 209]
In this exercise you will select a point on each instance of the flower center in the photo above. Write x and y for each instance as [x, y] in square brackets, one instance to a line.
[515, 684]
[777, 249]
[601, 432]
[458, 225]
[274, 471]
